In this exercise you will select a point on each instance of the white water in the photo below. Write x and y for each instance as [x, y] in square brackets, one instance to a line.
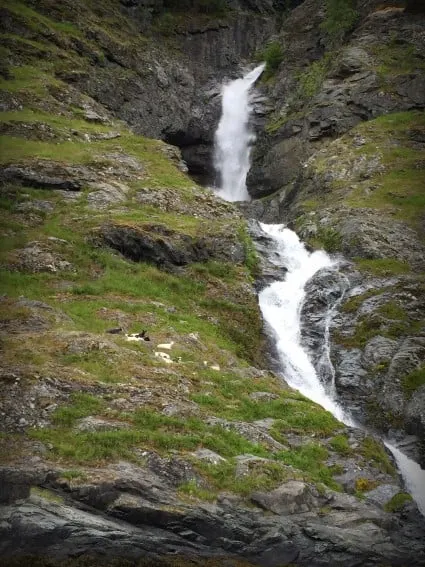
[413, 476]
[281, 303]
[233, 137]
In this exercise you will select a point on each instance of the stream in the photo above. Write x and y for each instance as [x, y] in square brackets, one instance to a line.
[281, 302]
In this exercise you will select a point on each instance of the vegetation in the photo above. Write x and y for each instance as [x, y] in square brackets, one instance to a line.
[340, 444]
[397, 502]
[273, 56]
[326, 238]
[412, 381]
[311, 79]
[341, 17]
[374, 452]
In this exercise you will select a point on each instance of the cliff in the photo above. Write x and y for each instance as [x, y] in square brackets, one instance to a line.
[179, 447]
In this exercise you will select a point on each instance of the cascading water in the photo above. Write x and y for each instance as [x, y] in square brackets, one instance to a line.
[281, 302]
[234, 138]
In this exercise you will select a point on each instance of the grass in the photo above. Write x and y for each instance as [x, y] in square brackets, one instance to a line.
[341, 17]
[326, 238]
[340, 445]
[397, 502]
[311, 79]
[375, 453]
[383, 266]
[412, 381]
[273, 56]
[150, 430]
[82, 405]
[310, 458]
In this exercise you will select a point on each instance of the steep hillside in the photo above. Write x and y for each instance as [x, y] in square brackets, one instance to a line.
[181, 448]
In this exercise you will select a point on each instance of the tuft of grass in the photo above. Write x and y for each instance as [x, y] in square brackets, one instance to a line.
[412, 381]
[340, 445]
[397, 502]
[374, 452]
[327, 238]
[273, 56]
[311, 79]
[310, 458]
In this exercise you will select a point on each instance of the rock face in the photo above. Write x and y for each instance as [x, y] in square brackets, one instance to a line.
[143, 517]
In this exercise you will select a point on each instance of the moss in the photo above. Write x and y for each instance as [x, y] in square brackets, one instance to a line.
[47, 495]
[353, 303]
[365, 484]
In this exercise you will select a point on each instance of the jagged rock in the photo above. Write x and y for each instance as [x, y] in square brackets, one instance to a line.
[263, 396]
[382, 494]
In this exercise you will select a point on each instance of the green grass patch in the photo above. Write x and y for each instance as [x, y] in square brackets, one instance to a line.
[46, 494]
[82, 405]
[340, 445]
[374, 452]
[326, 238]
[311, 79]
[273, 56]
[310, 458]
[397, 502]
[412, 381]
[383, 266]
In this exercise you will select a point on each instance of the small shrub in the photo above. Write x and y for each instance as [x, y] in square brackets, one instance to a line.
[364, 484]
[273, 56]
[340, 445]
[397, 502]
[341, 17]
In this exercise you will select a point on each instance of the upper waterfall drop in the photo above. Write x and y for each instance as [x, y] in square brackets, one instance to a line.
[233, 137]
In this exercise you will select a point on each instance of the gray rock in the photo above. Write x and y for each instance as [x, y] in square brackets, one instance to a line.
[263, 396]
[293, 497]
[97, 424]
[209, 456]
[382, 494]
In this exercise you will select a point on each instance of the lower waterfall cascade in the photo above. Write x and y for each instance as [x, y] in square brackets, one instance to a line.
[281, 302]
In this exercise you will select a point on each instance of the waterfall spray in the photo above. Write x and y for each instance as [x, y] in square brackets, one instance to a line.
[233, 138]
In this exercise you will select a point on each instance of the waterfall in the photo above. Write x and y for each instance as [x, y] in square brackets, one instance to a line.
[233, 137]
[281, 302]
